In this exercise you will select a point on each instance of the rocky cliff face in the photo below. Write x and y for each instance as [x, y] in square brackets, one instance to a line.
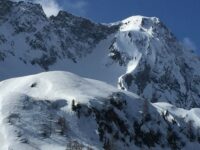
[141, 53]
[62, 37]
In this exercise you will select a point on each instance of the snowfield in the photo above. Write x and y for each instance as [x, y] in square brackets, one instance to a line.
[50, 110]
[31, 96]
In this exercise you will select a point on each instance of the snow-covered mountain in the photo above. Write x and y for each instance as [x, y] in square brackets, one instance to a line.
[139, 53]
[161, 68]
[61, 110]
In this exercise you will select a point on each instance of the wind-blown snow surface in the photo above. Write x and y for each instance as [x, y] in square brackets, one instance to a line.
[38, 113]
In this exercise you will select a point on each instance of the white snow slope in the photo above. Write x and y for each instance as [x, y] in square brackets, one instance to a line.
[37, 114]
[25, 109]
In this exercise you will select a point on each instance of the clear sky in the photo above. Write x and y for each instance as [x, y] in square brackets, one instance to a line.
[181, 16]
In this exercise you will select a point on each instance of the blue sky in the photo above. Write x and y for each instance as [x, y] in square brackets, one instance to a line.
[181, 16]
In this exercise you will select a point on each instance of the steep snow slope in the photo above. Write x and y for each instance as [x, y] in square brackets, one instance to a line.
[139, 53]
[57, 110]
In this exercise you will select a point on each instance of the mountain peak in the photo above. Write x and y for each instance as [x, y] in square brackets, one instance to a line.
[29, 8]
[64, 14]
[138, 22]
[21, 7]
